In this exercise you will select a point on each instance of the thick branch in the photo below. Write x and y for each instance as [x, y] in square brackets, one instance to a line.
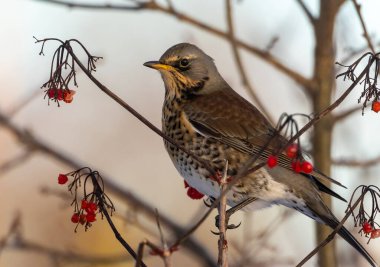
[13, 240]
[345, 114]
[14, 162]
[356, 163]
[264, 55]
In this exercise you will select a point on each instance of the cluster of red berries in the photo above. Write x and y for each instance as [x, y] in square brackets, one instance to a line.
[369, 230]
[376, 106]
[87, 213]
[66, 95]
[192, 192]
[292, 151]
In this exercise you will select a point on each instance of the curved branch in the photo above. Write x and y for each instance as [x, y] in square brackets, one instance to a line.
[153, 6]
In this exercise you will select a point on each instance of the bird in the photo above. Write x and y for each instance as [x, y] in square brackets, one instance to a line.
[204, 115]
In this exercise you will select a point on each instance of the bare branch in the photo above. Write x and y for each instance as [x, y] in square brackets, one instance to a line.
[29, 246]
[153, 6]
[140, 205]
[19, 106]
[12, 163]
[103, 208]
[365, 32]
[307, 12]
[243, 76]
[222, 243]
[139, 5]
[353, 163]
[13, 240]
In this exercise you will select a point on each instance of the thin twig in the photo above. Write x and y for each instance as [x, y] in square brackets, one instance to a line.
[365, 32]
[307, 12]
[222, 242]
[296, 76]
[166, 253]
[103, 209]
[146, 242]
[243, 75]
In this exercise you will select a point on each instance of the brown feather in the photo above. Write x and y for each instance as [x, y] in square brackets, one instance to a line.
[241, 126]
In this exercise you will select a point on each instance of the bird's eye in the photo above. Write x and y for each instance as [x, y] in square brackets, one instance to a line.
[184, 63]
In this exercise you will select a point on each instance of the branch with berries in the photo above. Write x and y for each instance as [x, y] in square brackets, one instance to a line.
[94, 201]
[361, 218]
[365, 215]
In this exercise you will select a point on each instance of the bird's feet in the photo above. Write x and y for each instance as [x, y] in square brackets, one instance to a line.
[209, 201]
[228, 226]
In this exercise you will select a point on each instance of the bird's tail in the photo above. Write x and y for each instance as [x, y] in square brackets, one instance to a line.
[343, 232]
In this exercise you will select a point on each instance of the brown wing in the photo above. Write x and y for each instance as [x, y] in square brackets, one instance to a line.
[226, 116]
[229, 118]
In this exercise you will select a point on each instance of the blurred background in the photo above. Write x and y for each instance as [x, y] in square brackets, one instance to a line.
[94, 131]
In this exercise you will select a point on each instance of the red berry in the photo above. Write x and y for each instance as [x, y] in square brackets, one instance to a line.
[186, 184]
[75, 218]
[292, 151]
[62, 179]
[91, 217]
[376, 106]
[367, 228]
[59, 94]
[68, 95]
[82, 219]
[306, 167]
[51, 92]
[296, 166]
[272, 161]
[375, 233]
[84, 204]
[194, 194]
[92, 206]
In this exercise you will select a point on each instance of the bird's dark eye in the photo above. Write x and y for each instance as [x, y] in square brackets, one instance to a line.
[184, 63]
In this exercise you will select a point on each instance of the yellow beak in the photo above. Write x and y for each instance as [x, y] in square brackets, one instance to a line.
[158, 66]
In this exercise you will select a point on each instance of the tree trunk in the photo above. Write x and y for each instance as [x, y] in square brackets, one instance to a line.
[324, 83]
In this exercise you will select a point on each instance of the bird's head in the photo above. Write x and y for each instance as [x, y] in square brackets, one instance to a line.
[186, 70]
